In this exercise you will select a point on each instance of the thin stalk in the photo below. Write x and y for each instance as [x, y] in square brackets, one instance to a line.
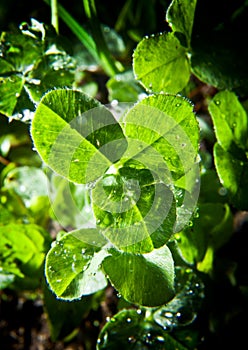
[110, 65]
[96, 45]
[79, 31]
[55, 15]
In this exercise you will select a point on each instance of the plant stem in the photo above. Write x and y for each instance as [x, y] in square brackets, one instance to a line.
[110, 65]
[96, 45]
[4, 161]
[54, 15]
[78, 30]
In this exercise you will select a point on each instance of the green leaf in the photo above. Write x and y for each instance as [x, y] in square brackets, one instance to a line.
[164, 127]
[71, 203]
[137, 277]
[230, 121]
[64, 317]
[27, 183]
[183, 308]
[233, 174]
[22, 250]
[21, 51]
[180, 16]
[31, 185]
[124, 88]
[130, 209]
[10, 90]
[211, 189]
[212, 227]
[78, 145]
[161, 63]
[6, 216]
[130, 330]
[72, 267]
[220, 60]
[113, 40]
[219, 56]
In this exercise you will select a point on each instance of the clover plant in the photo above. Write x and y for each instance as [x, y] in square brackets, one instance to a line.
[119, 183]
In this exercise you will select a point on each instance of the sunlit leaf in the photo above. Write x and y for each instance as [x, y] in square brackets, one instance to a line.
[180, 16]
[160, 63]
[230, 121]
[22, 250]
[137, 276]
[10, 90]
[77, 141]
[72, 267]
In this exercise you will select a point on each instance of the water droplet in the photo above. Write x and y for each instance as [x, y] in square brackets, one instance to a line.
[108, 319]
[234, 125]
[217, 102]
[160, 339]
[73, 267]
[222, 191]
[96, 323]
[139, 312]
[22, 188]
[131, 339]
[114, 103]
[58, 280]
[178, 104]
[129, 320]
[50, 268]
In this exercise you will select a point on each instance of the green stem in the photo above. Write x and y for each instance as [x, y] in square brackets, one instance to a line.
[96, 45]
[110, 65]
[78, 30]
[54, 15]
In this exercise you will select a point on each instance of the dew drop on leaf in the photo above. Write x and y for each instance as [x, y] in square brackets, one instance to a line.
[222, 191]
[160, 339]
